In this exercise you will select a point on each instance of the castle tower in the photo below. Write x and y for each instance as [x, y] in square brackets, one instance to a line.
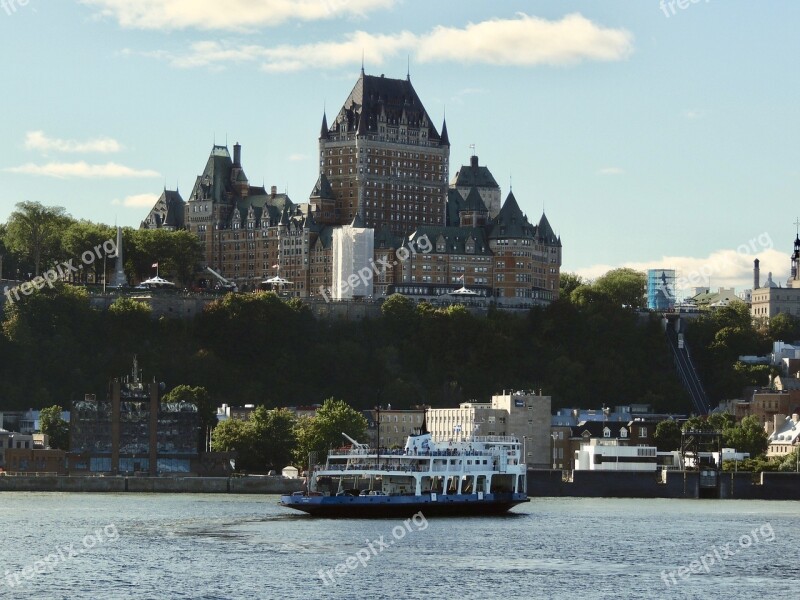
[384, 158]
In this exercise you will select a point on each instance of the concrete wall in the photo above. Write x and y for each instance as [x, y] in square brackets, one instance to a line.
[168, 485]
[612, 484]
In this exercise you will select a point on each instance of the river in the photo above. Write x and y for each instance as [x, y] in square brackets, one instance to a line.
[109, 546]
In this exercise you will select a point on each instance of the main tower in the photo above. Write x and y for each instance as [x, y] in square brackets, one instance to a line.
[383, 159]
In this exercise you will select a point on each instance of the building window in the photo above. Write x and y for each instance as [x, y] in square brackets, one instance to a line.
[643, 432]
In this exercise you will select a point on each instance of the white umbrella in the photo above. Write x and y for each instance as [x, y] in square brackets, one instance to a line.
[462, 291]
[277, 280]
[156, 282]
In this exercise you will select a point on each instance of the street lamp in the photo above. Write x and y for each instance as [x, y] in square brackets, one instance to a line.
[554, 436]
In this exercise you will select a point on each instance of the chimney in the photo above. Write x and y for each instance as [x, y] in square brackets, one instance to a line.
[473, 162]
[237, 155]
[273, 190]
[756, 275]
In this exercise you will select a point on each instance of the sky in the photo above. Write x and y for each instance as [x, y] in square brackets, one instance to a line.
[653, 134]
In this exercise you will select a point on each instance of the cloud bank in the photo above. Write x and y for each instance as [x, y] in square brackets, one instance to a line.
[524, 41]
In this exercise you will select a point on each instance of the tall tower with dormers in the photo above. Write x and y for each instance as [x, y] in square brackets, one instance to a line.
[384, 159]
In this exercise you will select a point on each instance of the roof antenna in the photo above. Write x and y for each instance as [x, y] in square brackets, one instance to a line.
[408, 67]
[362, 61]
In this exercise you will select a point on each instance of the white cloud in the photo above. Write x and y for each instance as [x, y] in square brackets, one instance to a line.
[82, 170]
[524, 41]
[298, 157]
[137, 201]
[693, 113]
[38, 140]
[724, 268]
[611, 171]
[232, 15]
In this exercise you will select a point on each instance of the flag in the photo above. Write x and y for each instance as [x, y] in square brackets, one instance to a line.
[461, 279]
[155, 265]
[275, 266]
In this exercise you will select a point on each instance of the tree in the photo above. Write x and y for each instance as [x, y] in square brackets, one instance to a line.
[667, 436]
[747, 436]
[626, 287]
[34, 231]
[56, 428]
[325, 429]
[233, 435]
[568, 283]
[274, 437]
[85, 236]
[784, 327]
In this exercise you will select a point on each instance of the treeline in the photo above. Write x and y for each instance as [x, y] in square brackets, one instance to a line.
[37, 238]
[258, 349]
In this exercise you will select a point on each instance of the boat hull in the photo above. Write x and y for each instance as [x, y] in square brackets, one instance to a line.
[376, 507]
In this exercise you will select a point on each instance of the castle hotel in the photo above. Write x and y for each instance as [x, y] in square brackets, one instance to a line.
[383, 186]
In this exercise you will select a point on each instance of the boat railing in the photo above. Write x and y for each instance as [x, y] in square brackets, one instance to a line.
[409, 454]
[495, 439]
[373, 467]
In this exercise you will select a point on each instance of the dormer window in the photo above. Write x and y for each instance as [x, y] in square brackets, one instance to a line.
[606, 432]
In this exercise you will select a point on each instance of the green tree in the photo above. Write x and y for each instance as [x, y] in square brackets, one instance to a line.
[568, 283]
[34, 231]
[233, 435]
[324, 430]
[784, 327]
[626, 287]
[176, 252]
[747, 436]
[85, 236]
[274, 437]
[52, 425]
[667, 436]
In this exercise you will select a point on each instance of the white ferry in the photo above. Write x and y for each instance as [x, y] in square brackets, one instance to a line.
[480, 476]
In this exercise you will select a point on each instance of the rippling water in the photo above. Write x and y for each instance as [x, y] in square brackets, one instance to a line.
[214, 546]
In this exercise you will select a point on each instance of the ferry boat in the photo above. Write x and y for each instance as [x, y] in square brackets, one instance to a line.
[483, 475]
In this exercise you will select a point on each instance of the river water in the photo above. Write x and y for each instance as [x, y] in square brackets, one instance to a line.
[99, 546]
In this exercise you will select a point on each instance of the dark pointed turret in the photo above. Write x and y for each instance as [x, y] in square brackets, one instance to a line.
[323, 134]
[545, 232]
[445, 137]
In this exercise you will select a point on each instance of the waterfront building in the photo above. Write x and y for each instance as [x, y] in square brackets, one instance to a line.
[785, 436]
[612, 455]
[390, 427]
[522, 414]
[35, 460]
[133, 431]
[12, 440]
[767, 404]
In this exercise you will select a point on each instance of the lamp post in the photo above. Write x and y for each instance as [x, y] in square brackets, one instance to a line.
[554, 436]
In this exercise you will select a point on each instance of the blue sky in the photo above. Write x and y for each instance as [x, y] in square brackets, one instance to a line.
[652, 136]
